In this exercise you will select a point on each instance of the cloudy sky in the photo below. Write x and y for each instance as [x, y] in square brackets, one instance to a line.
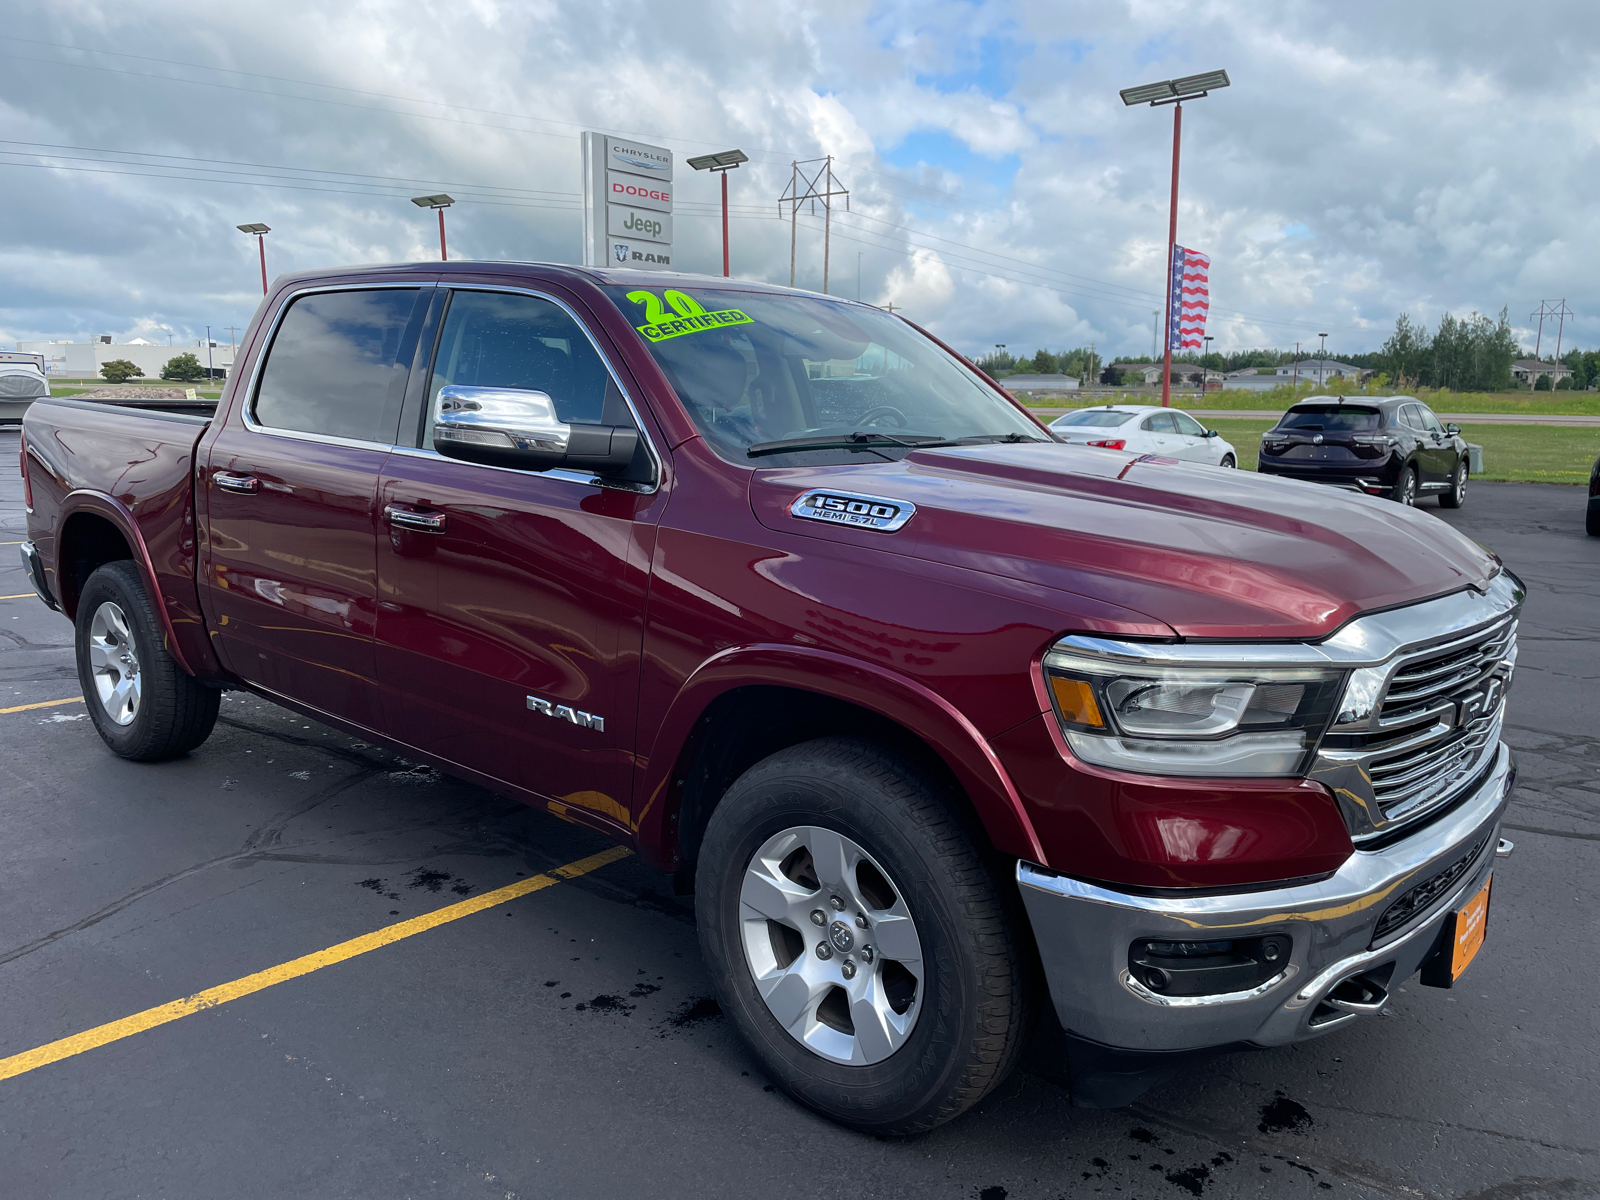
[1370, 158]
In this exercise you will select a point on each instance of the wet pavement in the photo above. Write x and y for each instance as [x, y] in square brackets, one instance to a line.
[562, 1044]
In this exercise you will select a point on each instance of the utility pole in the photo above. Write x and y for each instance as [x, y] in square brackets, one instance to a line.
[1557, 310]
[1562, 313]
[1093, 376]
[1155, 332]
[209, 367]
[808, 188]
[1322, 363]
[1297, 364]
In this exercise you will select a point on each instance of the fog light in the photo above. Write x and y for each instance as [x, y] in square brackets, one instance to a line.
[1208, 968]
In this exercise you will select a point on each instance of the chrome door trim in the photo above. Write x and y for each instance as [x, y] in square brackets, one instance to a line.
[247, 408]
[585, 477]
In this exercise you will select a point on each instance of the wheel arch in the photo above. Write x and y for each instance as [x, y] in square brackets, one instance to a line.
[97, 529]
[747, 703]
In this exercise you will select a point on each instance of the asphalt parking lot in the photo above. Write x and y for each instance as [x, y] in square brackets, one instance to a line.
[562, 1043]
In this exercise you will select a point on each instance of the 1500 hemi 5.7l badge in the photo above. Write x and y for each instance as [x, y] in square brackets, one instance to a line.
[850, 508]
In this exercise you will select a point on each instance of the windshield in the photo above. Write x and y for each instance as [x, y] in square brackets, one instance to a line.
[754, 369]
[1332, 418]
[1098, 418]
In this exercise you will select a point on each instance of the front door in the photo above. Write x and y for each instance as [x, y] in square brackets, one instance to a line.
[511, 603]
[1191, 443]
[289, 485]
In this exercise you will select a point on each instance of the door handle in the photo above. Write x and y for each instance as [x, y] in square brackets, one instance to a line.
[246, 485]
[422, 522]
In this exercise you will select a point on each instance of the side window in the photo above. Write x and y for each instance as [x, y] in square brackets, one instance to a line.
[502, 339]
[1430, 421]
[1188, 426]
[335, 366]
[1160, 423]
[1412, 416]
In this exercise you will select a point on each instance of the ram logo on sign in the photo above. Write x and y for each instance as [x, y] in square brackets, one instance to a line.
[851, 508]
[627, 203]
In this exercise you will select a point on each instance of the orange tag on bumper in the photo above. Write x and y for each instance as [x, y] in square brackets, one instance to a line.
[1470, 924]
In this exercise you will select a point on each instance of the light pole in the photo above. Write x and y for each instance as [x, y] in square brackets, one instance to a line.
[1204, 365]
[209, 366]
[259, 232]
[720, 164]
[1322, 362]
[1173, 92]
[1155, 331]
[439, 202]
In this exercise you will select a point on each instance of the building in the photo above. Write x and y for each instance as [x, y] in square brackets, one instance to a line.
[1316, 370]
[83, 360]
[1526, 371]
[1031, 384]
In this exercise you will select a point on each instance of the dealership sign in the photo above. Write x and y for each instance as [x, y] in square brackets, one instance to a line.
[627, 203]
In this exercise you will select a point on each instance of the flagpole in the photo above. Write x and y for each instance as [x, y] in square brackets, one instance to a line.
[1172, 243]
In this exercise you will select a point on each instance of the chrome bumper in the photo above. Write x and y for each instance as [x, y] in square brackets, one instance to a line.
[1084, 931]
[34, 566]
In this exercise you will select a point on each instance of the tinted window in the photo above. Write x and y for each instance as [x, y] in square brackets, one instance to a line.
[1412, 416]
[1429, 421]
[1160, 423]
[333, 366]
[1332, 418]
[1188, 426]
[500, 339]
[1098, 418]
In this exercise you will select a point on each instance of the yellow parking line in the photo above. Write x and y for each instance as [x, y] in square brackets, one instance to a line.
[18, 596]
[10, 543]
[42, 704]
[30, 1060]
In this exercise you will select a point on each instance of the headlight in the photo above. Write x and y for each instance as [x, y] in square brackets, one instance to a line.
[1171, 719]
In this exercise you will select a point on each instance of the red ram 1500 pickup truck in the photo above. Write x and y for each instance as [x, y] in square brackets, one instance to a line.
[962, 737]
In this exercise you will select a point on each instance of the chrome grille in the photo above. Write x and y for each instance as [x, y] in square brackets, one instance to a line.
[1431, 727]
[1430, 769]
[1422, 682]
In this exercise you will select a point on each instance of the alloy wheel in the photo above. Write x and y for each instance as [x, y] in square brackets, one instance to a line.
[1461, 484]
[831, 945]
[1408, 488]
[114, 661]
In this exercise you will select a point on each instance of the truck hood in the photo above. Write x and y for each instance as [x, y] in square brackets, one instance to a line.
[1211, 553]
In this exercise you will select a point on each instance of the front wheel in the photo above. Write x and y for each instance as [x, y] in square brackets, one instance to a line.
[858, 940]
[1228, 461]
[141, 702]
[1456, 495]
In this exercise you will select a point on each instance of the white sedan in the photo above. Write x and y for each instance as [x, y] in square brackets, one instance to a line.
[1145, 429]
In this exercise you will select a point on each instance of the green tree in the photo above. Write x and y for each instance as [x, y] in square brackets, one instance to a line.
[1542, 384]
[997, 363]
[1044, 363]
[1404, 356]
[185, 368]
[120, 370]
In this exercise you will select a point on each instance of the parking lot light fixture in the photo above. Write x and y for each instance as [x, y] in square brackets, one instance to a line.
[259, 232]
[1173, 92]
[440, 203]
[721, 163]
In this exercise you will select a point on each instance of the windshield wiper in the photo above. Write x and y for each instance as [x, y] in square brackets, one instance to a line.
[869, 439]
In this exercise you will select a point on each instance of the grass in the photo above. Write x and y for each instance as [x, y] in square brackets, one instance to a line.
[204, 391]
[1511, 453]
[1564, 404]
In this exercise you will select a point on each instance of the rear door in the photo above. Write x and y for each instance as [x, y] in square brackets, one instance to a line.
[1161, 433]
[511, 603]
[1439, 448]
[289, 484]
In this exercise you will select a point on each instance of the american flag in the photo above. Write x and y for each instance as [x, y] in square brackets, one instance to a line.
[1190, 297]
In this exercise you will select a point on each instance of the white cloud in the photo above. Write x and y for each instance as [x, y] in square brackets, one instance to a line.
[1369, 158]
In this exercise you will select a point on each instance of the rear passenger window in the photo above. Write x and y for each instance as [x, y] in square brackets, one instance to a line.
[502, 339]
[1161, 423]
[334, 367]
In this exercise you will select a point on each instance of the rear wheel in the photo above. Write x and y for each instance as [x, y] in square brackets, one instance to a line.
[857, 938]
[1405, 491]
[1456, 495]
[142, 704]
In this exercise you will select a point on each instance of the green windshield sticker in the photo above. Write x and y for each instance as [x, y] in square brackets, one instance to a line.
[688, 315]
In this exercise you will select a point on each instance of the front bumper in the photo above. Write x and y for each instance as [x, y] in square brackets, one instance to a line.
[1084, 930]
[33, 564]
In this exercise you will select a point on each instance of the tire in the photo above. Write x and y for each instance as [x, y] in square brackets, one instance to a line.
[1405, 489]
[152, 711]
[1228, 461]
[949, 953]
[1591, 519]
[1456, 495]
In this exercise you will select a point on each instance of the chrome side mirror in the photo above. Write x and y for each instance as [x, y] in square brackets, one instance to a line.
[514, 427]
[1453, 429]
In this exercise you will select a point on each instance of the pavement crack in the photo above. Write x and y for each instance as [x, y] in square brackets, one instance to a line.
[253, 849]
